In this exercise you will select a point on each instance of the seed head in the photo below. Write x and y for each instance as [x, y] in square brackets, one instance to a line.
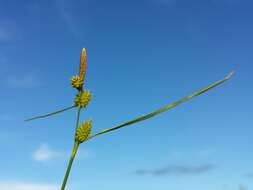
[83, 131]
[76, 82]
[82, 98]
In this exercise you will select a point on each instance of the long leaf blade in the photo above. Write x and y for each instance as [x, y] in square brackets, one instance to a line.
[50, 114]
[165, 108]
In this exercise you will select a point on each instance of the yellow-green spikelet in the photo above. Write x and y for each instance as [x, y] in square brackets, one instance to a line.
[76, 82]
[83, 132]
[83, 98]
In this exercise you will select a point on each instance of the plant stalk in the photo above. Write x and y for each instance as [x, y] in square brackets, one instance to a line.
[72, 157]
[78, 117]
[73, 154]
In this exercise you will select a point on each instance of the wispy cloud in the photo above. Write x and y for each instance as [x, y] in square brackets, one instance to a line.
[11, 185]
[45, 153]
[66, 14]
[243, 187]
[249, 175]
[23, 81]
[78, 25]
[176, 170]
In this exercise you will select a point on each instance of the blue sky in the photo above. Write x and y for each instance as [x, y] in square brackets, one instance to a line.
[141, 55]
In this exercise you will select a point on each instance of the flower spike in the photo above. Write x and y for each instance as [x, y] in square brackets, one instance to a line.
[76, 82]
[82, 99]
[83, 132]
[82, 69]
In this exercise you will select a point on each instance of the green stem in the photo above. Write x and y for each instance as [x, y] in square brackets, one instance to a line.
[78, 117]
[72, 157]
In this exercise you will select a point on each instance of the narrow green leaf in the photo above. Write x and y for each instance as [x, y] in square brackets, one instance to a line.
[165, 108]
[49, 114]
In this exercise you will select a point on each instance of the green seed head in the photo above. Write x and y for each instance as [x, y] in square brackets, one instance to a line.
[83, 132]
[83, 98]
[76, 82]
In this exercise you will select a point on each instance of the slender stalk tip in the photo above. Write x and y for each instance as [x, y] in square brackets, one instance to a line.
[230, 75]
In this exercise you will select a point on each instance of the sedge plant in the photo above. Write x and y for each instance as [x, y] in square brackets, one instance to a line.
[82, 99]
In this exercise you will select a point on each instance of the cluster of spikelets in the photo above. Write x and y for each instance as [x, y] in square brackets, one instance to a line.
[76, 82]
[82, 99]
[83, 132]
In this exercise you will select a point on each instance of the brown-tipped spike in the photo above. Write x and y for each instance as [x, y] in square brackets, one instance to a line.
[82, 69]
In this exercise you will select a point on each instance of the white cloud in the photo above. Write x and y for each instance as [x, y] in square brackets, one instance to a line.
[11, 185]
[45, 153]
[24, 81]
